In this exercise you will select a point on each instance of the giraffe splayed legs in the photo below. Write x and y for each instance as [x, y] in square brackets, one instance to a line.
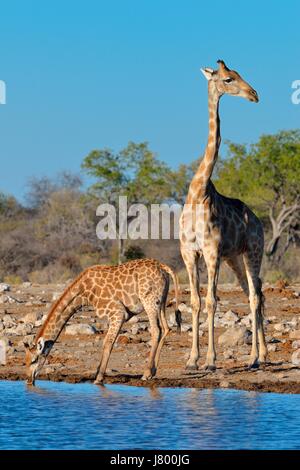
[117, 292]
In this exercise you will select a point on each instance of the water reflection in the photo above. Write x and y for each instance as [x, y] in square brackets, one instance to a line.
[116, 416]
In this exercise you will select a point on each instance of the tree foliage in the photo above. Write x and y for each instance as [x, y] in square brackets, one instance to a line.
[135, 172]
[266, 175]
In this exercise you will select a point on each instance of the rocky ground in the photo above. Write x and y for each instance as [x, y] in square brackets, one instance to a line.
[75, 356]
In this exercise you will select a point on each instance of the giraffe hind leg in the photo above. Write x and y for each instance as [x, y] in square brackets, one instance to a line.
[237, 265]
[164, 324]
[252, 265]
[191, 260]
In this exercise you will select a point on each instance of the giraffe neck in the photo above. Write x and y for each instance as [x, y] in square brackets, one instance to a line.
[60, 313]
[199, 185]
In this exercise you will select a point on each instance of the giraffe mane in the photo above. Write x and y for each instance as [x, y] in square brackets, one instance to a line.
[59, 300]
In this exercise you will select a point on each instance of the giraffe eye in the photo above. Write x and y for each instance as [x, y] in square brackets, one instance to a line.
[228, 80]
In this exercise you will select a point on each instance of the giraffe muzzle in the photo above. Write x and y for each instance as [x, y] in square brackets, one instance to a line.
[254, 96]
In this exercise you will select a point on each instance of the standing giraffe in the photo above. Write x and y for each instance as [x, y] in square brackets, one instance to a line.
[117, 292]
[228, 229]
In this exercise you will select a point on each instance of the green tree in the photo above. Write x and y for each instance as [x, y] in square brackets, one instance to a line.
[134, 172]
[266, 175]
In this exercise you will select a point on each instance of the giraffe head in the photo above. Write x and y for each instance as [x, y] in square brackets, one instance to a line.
[229, 82]
[35, 358]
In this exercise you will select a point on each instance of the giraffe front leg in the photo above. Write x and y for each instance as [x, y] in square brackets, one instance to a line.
[191, 262]
[116, 321]
[192, 363]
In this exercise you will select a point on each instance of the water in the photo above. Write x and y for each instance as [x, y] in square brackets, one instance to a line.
[83, 416]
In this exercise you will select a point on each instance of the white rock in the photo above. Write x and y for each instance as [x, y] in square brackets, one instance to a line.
[9, 321]
[246, 321]
[279, 327]
[135, 329]
[143, 325]
[31, 317]
[21, 329]
[234, 337]
[6, 299]
[184, 308]
[272, 347]
[201, 333]
[228, 354]
[26, 284]
[133, 320]
[296, 358]
[224, 384]
[224, 302]
[4, 287]
[293, 322]
[186, 327]
[3, 346]
[79, 329]
[55, 296]
[229, 319]
[27, 339]
[296, 344]
[295, 334]
[172, 320]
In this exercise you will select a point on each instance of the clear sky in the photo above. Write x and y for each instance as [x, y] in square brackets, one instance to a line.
[91, 74]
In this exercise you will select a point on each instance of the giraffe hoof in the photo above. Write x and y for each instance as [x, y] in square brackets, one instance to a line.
[210, 368]
[262, 360]
[30, 383]
[191, 367]
[98, 382]
[146, 377]
[253, 365]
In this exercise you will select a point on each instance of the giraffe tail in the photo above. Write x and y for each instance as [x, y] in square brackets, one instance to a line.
[177, 293]
[261, 304]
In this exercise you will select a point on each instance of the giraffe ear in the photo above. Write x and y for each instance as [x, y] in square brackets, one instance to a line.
[207, 72]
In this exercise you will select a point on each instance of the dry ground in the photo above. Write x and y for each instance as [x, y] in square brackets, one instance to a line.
[75, 358]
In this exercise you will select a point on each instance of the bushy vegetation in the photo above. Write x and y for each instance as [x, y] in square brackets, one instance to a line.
[52, 236]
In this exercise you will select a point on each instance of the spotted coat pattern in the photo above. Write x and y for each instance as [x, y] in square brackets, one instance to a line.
[115, 292]
[227, 229]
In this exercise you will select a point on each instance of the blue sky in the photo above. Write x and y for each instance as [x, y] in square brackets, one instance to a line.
[91, 74]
